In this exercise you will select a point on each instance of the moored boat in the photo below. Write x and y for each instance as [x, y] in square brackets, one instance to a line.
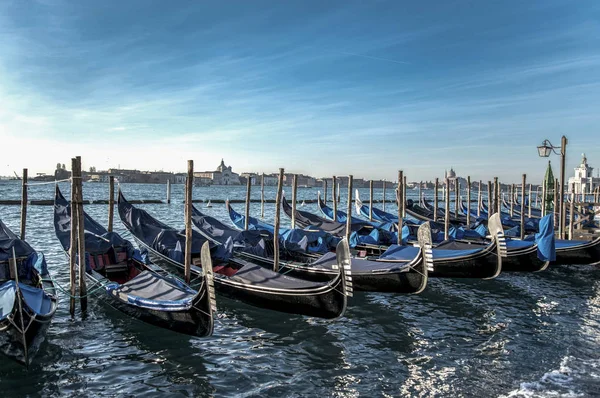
[124, 280]
[28, 299]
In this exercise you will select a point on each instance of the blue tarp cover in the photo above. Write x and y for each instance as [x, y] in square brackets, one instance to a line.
[151, 291]
[36, 299]
[545, 239]
[396, 252]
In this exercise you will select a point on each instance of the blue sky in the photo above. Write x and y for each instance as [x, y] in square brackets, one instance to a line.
[365, 87]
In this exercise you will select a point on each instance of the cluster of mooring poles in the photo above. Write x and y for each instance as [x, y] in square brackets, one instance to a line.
[577, 210]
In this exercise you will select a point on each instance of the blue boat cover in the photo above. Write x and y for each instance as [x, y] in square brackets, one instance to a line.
[396, 252]
[545, 239]
[400, 253]
[36, 299]
[364, 266]
[151, 291]
[515, 244]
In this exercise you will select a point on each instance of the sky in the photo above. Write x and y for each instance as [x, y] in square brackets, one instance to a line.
[322, 88]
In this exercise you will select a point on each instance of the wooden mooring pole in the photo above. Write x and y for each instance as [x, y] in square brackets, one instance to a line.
[324, 191]
[384, 184]
[435, 199]
[111, 202]
[334, 196]
[479, 200]
[555, 208]
[277, 221]
[294, 199]
[370, 202]
[23, 205]
[81, 239]
[523, 206]
[189, 185]
[168, 190]
[404, 184]
[529, 202]
[447, 211]
[511, 196]
[420, 193]
[349, 209]
[572, 212]
[468, 201]
[543, 203]
[489, 197]
[247, 209]
[496, 195]
[400, 201]
[262, 196]
[73, 240]
[456, 197]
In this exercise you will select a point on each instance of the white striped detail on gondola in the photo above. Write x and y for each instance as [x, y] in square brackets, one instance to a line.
[343, 263]
[495, 228]
[426, 244]
[207, 271]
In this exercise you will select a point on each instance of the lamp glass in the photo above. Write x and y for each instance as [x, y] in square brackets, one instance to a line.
[544, 151]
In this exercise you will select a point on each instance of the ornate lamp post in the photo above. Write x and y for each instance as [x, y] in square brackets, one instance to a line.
[544, 151]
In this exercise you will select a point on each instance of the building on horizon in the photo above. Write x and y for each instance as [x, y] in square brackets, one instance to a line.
[583, 181]
[223, 175]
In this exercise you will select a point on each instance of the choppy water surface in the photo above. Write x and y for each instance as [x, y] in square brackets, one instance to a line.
[518, 335]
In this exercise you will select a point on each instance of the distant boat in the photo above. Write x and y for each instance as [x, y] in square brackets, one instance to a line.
[303, 203]
[209, 204]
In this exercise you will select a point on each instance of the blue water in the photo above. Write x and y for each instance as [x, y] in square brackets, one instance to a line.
[518, 335]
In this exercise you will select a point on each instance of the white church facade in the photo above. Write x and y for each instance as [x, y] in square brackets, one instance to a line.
[223, 175]
[583, 181]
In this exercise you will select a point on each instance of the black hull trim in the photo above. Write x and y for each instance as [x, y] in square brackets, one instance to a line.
[524, 261]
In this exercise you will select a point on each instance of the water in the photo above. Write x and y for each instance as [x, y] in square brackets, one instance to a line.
[516, 336]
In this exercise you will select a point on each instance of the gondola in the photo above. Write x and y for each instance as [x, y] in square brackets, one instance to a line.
[234, 277]
[408, 276]
[138, 288]
[28, 299]
[310, 242]
[474, 261]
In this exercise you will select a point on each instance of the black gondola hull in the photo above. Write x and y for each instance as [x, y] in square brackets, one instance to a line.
[588, 253]
[486, 265]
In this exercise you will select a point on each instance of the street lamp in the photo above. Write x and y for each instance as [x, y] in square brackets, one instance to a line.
[544, 151]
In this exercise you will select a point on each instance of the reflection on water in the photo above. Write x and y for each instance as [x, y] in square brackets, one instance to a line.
[518, 335]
